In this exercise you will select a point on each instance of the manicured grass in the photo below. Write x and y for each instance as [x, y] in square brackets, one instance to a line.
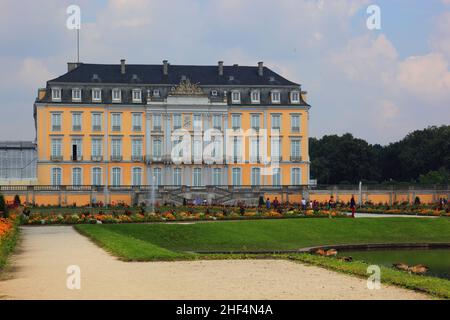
[434, 286]
[260, 235]
[145, 242]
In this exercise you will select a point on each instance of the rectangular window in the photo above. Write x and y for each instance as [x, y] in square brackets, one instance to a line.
[236, 177]
[56, 148]
[116, 122]
[96, 121]
[217, 121]
[295, 97]
[296, 177]
[256, 177]
[157, 148]
[56, 94]
[295, 150]
[198, 122]
[136, 149]
[56, 121]
[177, 177]
[255, 121]
[295, 123]
[56, 176]
[137, 177]
[235, 97]
[276, 97]
[255, 96]
[116, 178]
[177, 121]
[197, 177]
[96, 95]
[116, 149]
[197, 150]
[96, 148]
[79, 145]
[276, 122]
[116, 95]
[217, 177]
[275, 149]
[137, 96]
[156, 93]
[254, 150]
[76, 95]
[236, 121]
[76, 121]
[97, 176]
[76, 176]
[276, 177]
[137, 122]
[237, 149]
[157, 122]
[157, 177]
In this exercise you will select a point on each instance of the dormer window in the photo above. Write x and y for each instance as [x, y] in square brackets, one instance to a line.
[235, 97]
[137, 95]
[96, 95]
[76, 95]
[156, 93]
[255, 96]
[56, 94]
[214, 93]
[116, 95]
[275, 96]
[295, 97]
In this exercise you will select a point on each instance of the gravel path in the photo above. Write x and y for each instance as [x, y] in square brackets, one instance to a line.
[38, 271]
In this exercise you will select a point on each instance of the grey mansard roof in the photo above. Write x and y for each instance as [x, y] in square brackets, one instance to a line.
[153, 74]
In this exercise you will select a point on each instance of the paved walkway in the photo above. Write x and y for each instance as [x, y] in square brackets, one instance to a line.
[38, 271]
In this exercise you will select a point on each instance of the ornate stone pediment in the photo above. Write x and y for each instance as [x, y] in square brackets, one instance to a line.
[186, 88]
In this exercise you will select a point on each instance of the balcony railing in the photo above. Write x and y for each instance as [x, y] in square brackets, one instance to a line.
[157, 128]
[296, 158]
[116, 158]
[56, 158]
[76, 128]
[56, 128]
[137, 128]
[96, 128]
[97, 158]
[78, 158]
[137, 158]
[295, 129]
[116, 128]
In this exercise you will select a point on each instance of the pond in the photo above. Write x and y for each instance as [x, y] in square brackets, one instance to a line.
[438, 260]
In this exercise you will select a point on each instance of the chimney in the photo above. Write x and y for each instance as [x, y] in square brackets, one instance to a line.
[72, 66]
[122, 66]
[220, 68]
[260, 69]
[165, 67]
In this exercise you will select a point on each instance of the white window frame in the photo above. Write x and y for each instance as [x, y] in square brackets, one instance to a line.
[56, 94]
[239, 176]
[256, 99]
[294, 176]
[136, 95]
[236, 116]
[134, 175]
[272, 122]
[255, 178]
[94, 123]
[136, 147]
[179, 180]
[116, 99]
[293, 94]
[217, 176]
[93, 176]
[75, 116]
[114, 117]
[136, 121]
[95, 147]
[197, 180]
[157, 125]
[179, 117]
[293, 127]
[99, 98]
[217, 121]
[54, 116]
[60, 176]
[81, 176]
[113, 169]
[277, 173]
[74, 96]
[157, 176]
[156, 93]
[294, 153]
[235, 97]
[198, 123]
[116, 144]
[255, 121]
[56, 150]
[273, 96]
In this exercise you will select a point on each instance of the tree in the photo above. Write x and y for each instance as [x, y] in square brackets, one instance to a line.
[3, 207]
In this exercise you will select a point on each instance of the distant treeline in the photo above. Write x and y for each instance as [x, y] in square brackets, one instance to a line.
[423, 156]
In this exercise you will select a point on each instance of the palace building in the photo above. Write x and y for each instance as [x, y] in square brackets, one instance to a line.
[121, 125]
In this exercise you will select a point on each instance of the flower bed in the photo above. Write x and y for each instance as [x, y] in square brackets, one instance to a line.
[8, 235]
[183, 214]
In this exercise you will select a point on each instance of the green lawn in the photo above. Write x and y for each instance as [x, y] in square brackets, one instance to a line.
[146, 242]
[178, 241]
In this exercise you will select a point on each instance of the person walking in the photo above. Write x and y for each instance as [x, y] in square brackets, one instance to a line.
[303, 204]
[268, 203]
[353, 205]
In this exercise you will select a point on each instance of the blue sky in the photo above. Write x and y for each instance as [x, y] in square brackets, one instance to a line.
[378, 85]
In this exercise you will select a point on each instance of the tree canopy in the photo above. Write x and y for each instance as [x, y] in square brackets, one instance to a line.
[422, 156]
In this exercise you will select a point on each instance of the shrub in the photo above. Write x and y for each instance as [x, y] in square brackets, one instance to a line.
[3, 207]
[16, 200]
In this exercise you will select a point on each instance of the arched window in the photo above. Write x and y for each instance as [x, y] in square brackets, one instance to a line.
[236, 178]
[137, 176]
[76, 177]
[256, 177]
[97, 177]
[56, 176]
[116, 179]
